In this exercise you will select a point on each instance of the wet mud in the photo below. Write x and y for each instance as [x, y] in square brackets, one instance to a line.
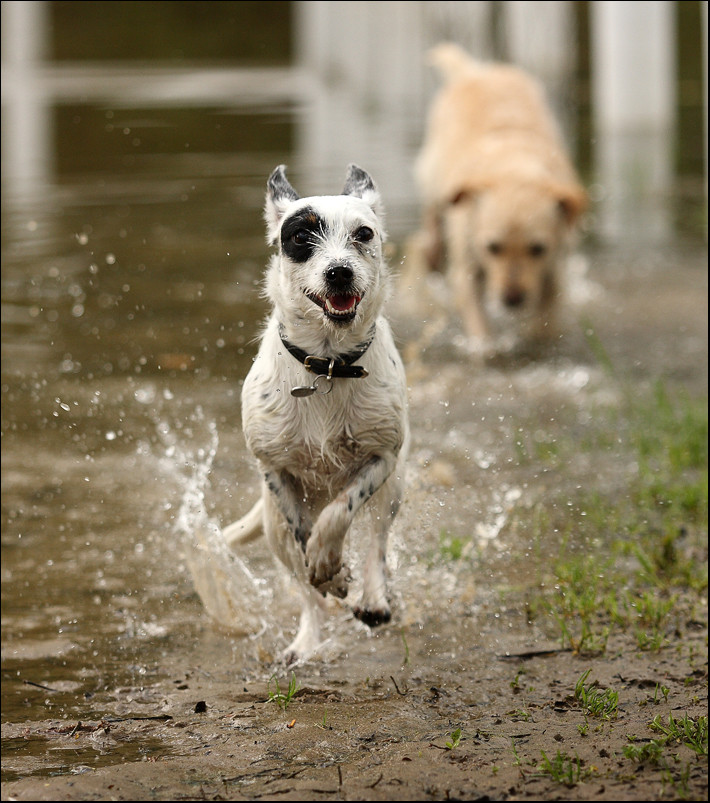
[121, 681]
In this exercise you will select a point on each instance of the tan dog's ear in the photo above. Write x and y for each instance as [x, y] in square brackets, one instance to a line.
[463, 194]
[572, 201]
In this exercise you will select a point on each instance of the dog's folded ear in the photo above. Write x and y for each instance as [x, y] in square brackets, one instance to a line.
[464, 194]
[572, 201]
[279, 195]
[359, 184]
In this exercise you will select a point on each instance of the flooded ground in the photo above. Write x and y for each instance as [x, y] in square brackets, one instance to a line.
[138, 656]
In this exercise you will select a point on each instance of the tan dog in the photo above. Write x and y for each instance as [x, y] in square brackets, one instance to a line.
[500, 196]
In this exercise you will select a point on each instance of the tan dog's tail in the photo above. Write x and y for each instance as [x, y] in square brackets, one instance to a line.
[452, 61]
[248, 528]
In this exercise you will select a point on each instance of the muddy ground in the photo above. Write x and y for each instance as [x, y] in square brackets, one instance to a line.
[385, 737]
[378, 718]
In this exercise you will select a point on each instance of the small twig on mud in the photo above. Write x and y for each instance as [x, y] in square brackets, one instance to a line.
[402, 693]
[511, 656]
[340, 777]
[38, 685]
[159, 717]
[373, 785]
[89, 727]
[273, 771]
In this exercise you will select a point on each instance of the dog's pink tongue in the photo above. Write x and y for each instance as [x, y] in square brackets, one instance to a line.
[342, 303]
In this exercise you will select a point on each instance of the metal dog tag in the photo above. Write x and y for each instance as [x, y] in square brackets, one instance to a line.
[302, 390]
[321, 388]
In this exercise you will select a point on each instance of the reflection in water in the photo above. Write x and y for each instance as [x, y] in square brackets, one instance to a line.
[364, 102]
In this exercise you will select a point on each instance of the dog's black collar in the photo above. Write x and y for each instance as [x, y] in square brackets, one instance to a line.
[340, 366]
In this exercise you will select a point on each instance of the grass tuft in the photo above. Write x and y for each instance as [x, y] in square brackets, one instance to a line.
[596, 703]
[282, 698]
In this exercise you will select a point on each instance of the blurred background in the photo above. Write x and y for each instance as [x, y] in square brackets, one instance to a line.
[137, 138]
[113, 92]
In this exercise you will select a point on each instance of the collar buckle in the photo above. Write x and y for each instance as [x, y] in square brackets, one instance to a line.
[341, 366]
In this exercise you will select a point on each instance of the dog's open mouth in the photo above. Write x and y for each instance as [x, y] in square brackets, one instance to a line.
[339, 307]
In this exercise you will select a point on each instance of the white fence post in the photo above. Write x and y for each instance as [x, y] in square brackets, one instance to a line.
[633, 90]
[27, 137]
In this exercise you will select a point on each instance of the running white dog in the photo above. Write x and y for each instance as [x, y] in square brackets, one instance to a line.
[324, 406]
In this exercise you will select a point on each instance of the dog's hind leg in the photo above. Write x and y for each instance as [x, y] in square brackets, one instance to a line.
[308, 637]
[248, 528]
[373, 608]
[289, 552]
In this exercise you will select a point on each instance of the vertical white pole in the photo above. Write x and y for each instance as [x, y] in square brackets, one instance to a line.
[541, 39]
[26, 129]
[633, 90]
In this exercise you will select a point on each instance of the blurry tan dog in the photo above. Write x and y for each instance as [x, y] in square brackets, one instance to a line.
[500, 196]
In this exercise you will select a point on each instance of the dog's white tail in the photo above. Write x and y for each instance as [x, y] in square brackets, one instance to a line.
[248, 528]
[452, 61]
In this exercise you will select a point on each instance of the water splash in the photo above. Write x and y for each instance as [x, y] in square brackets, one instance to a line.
[500, 508]
[233, 596]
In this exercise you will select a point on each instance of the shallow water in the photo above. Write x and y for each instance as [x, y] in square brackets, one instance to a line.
[130, 308]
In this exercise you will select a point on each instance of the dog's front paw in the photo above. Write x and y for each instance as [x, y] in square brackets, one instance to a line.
[324, 562]
[337, 585]
[372, 617]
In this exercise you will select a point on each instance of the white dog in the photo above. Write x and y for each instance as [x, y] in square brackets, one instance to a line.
[324, 406]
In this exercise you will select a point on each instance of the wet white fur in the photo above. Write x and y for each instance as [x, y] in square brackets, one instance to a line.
[320, 454]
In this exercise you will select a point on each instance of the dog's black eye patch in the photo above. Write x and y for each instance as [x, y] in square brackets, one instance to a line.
[537, 249]
[300, 233]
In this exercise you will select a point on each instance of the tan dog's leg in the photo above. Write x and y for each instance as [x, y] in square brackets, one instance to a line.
[545, 326]
[433, 245]
[462, 273]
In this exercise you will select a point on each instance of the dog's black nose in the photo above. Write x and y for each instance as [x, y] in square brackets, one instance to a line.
[514, 297]
[339, 274]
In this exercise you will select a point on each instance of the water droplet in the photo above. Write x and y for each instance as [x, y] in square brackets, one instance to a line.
[145, 395]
